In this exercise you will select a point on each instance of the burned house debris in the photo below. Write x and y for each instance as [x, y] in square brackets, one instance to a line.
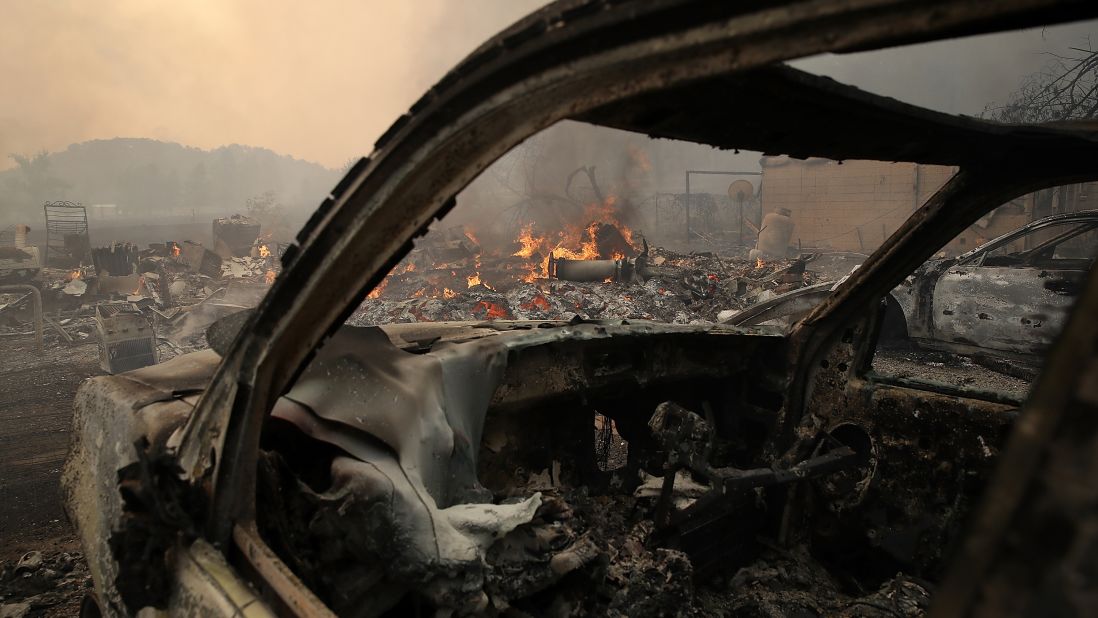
[560, 419]
[139, 305]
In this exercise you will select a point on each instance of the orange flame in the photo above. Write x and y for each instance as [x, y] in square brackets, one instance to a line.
[74, 275]
[759, 263]
[530, 243]
[376, 292]
[264, 251]
[269, 278]
[176, 250]
[491, 310]
[448, 293]
[537, 302]
[473, 279]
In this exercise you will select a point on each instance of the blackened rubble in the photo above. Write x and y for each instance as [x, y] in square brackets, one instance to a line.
[376, 493]
[178, 289]
[42, 583]
[680, 288]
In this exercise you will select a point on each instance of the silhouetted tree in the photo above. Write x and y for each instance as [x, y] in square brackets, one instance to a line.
[34, 184]
[1066, 89]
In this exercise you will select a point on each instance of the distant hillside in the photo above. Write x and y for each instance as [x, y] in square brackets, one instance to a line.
[147, 179]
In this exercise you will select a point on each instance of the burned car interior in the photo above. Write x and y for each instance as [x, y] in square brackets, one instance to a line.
[595, 467]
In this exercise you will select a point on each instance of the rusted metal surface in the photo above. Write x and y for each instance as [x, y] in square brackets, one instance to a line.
[293, 597]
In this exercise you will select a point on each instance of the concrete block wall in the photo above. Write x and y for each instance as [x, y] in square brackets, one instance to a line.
[849, 206]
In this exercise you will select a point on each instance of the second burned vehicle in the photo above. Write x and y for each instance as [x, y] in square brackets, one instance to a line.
[308, 466]
[1008, 298]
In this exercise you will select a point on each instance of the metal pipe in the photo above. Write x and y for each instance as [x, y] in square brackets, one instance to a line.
[36, 297]
[585, 270]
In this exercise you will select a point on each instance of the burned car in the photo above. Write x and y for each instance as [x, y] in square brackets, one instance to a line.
[308, 466]
[1008, 298]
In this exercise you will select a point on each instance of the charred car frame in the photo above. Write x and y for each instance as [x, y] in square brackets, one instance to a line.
[173, 488]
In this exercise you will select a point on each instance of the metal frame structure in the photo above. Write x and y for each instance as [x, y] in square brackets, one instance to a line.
[716, 173]
[63, 219]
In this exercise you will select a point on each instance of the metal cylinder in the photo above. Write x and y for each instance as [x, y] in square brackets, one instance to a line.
[584, 270]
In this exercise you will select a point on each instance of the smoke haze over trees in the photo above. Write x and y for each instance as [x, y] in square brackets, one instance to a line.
[146, 178]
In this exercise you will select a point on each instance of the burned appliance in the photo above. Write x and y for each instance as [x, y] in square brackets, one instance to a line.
[126, 339]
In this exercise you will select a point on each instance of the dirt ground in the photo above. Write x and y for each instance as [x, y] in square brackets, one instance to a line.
[36, 394]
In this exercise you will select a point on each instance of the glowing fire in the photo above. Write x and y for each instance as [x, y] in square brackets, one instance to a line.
[530, 243]
[264, 251]
[140, 284]
[537, 302]
[74, 275]
[491, 310]
[759, 263]
[527, 260]
[269, 277]
[376, 292]
[176, 250]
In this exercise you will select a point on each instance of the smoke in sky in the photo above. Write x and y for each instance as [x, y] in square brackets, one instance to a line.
[961, 76]
[320, 81]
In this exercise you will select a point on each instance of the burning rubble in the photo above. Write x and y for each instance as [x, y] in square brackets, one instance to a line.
[602, 270]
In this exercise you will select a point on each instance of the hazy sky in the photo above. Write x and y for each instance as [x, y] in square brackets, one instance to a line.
[316, 80]
[320, 81]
